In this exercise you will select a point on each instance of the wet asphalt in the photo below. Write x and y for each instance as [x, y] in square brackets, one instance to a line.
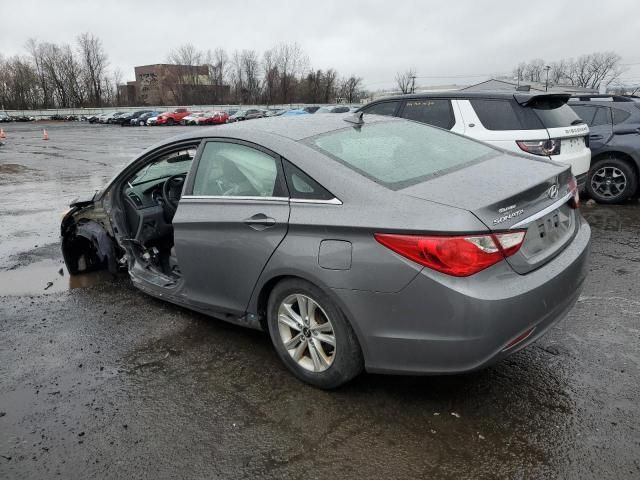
[98, 380]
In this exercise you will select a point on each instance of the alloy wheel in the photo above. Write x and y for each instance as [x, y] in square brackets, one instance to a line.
[608, 182]
[306, 332]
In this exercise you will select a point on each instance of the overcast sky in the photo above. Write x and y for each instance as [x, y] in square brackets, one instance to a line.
[446, 41]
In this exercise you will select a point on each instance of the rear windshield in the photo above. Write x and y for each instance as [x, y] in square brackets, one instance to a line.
[556, 113]
[400, 154]
[500, 114]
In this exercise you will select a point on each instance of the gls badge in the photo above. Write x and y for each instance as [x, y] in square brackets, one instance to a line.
[508, 216]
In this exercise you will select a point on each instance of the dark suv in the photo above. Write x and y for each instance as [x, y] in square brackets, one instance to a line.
[614, 139]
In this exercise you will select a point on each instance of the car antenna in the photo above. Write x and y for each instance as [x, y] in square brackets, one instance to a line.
[357, 118]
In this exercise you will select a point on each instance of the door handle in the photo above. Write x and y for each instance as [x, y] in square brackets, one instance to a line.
[595, 137]
[260, 221]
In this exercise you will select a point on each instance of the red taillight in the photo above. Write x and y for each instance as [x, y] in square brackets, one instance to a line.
[459, 256]
[540, 147]
[573, 187]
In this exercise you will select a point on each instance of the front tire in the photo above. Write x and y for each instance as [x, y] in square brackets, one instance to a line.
[611, 181]
[311, 335]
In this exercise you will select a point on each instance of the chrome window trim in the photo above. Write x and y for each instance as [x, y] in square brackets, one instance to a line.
[543, 212]
[333, 201]
[231, 197]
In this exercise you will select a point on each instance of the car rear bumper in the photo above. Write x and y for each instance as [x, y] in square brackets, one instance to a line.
[579, 161]
[440, 324]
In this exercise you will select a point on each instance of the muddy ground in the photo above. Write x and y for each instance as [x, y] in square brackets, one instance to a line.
[98, 380]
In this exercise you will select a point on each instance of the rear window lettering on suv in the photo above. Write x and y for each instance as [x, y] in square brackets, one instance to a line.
[383, 108]
[436, 112]
[619, 116]
[400, 154]
[505, 115]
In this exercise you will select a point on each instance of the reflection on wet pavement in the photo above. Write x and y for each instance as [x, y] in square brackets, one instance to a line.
[45, 277]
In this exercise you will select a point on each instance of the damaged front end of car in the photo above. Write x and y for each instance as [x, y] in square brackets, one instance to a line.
[87, 238]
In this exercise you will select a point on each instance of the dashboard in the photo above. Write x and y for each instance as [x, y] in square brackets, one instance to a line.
[147, 194]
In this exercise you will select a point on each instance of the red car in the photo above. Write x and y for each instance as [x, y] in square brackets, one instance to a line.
[215, 118]
[172, 118]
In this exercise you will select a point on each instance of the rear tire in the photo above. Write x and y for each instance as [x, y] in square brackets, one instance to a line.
[611, 181]
[311, 335]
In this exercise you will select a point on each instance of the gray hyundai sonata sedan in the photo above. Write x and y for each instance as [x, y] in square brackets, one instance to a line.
[357, 242]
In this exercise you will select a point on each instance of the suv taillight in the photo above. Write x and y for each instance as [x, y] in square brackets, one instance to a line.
[540, 147]
[460, 255]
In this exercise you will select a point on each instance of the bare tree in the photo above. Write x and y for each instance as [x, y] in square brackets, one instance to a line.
[271, 76]
[519, 72]
[291, 62]
[251, 65]
[406, 80]
[350, 90]
[218, 62]
[95, 62]
[329, 85]
[534, 69]
[589, 71]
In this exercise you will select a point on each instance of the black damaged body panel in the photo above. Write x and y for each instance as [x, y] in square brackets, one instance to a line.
[87, 244]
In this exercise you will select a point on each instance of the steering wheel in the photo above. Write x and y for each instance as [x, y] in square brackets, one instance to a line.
[172, 190]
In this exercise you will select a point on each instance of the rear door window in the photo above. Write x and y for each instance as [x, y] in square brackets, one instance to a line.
[383, 108]
[619, 116]
[586, 113]
[602, 116]
[436, 112]
[234, 170]
[302, 186]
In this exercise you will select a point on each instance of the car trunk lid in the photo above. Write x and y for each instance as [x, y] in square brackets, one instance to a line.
[512, 193]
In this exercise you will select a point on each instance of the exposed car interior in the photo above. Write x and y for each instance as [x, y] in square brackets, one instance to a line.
[150, 196]
[150, 200]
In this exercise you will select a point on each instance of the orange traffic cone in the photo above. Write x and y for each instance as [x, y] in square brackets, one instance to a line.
[45, 135]
[2, 135]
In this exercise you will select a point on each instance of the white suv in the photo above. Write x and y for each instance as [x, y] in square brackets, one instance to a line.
[532, 124]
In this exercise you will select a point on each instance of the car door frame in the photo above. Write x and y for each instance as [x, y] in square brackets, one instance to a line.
[235, 315]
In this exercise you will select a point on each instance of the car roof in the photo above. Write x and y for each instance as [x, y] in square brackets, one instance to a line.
[631, 107]
[293, 128]
[520, 97]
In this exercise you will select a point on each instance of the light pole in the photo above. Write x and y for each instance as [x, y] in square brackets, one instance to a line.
[546, 83]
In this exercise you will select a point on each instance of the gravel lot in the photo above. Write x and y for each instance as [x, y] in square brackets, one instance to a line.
[99, 380]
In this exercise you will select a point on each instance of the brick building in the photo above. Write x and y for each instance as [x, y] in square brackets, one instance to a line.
[169, 84]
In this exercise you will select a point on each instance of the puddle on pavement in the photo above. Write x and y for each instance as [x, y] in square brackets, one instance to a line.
[45, 277]
[9, 168]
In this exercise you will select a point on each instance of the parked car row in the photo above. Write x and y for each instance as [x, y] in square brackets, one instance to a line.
[6, 118]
